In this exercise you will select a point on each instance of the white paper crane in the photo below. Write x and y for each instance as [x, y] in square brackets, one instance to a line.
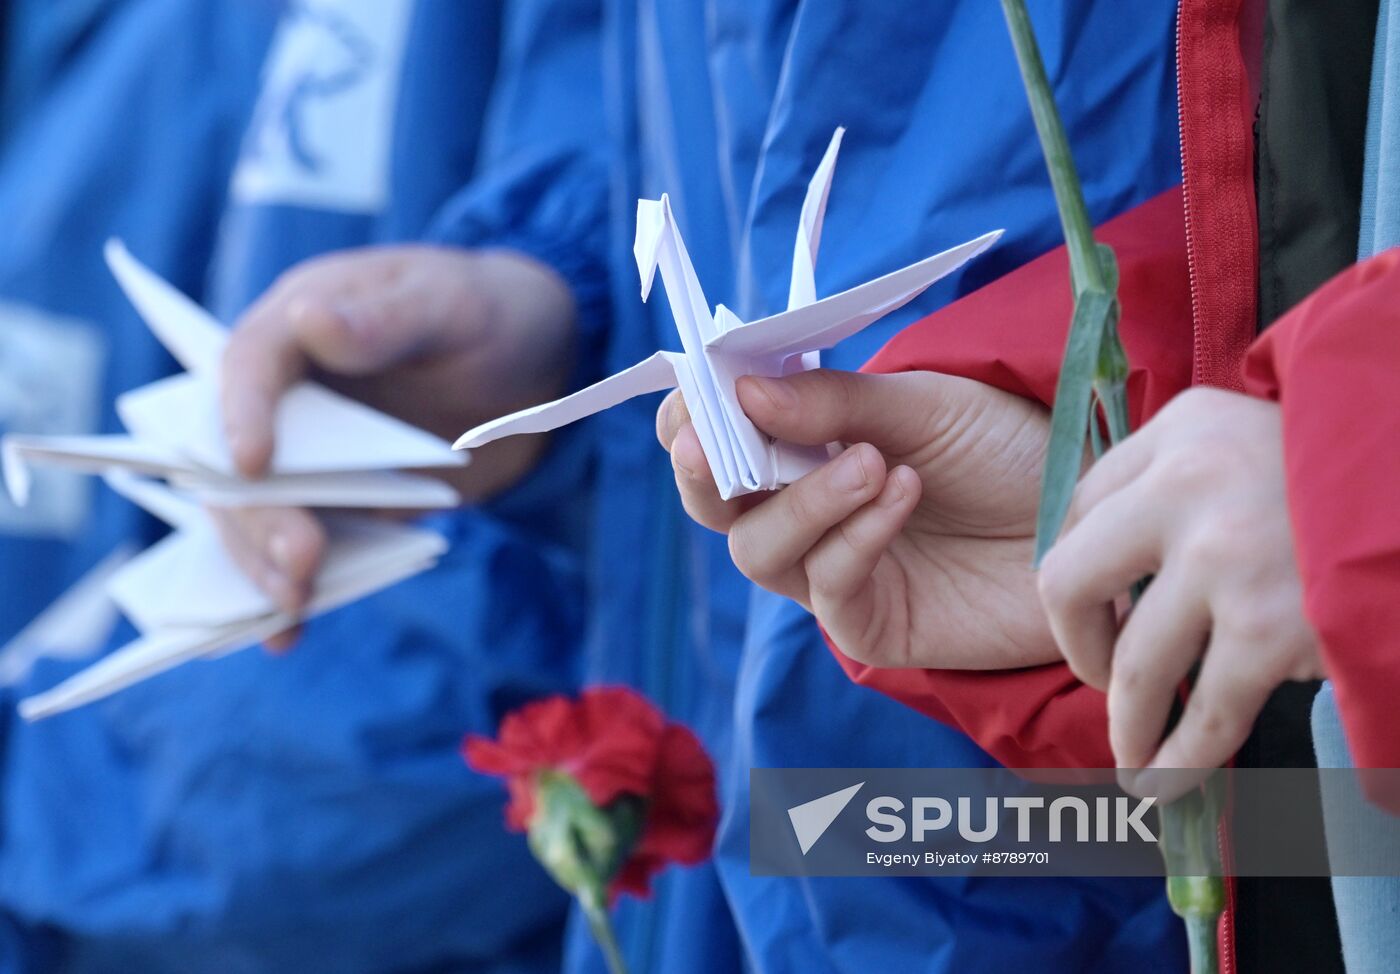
[184, 594]
[190, 601]
[719, 348]
[331, 451]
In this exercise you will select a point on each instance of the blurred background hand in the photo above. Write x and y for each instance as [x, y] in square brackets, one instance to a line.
[442, 338]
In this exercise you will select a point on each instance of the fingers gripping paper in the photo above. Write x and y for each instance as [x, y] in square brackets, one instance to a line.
[184, 594]
[719, 348]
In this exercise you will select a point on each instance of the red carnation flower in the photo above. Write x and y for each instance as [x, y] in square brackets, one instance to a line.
[650, 779]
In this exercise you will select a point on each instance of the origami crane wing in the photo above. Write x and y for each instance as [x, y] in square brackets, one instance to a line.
[317, 430]
[189, 580]
[164, 649]
[85, 454]
[98, 454]
[134, 662]
[350, 488]
[656, 373]
[827, 322]
[187, 331]
[190, 601]
[719, 348]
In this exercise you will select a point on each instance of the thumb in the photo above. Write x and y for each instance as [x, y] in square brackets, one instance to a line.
[898, 414]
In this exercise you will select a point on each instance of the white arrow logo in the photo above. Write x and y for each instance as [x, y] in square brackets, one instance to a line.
[810, 820]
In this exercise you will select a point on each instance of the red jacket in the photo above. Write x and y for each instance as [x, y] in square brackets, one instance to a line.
[1188, 261]
[1332, 364]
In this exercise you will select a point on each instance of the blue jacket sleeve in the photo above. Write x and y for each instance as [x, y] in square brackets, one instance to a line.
[541, 186]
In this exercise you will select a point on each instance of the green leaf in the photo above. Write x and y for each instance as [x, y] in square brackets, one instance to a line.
[1070, 418]
[1108, 261]
[1095, 437]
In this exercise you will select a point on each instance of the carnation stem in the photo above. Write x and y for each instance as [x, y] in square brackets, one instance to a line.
[1064, 177]
[601, 926]
[1188, 826]
[1202, 945]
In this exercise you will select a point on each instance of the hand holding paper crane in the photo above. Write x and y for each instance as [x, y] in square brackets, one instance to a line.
[188, 598]
[184, 594]
[331, 450]
[719, 348]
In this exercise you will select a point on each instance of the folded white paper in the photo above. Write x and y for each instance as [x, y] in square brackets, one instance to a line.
[719, 348]
[97, 454]
[331, 451]
[189, 600]
[185, 594]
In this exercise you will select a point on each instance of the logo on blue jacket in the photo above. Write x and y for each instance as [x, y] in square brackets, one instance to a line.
[321, 133]
[50, 381]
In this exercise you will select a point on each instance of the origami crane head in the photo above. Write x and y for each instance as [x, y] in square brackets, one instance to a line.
[719, 348]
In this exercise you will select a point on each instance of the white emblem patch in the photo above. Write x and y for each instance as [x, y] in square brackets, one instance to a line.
[50, 383]
[320, 136]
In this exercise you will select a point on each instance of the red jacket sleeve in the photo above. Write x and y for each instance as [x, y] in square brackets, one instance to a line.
[1011, 334]
[1333, 364]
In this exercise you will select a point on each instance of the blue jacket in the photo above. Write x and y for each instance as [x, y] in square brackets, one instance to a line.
[312, 813]
[727, 106]
[73, 171]
[76, 167]
[41, 40]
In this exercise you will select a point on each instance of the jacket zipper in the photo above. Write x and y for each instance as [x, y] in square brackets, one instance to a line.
[1201, 371]
[1186, 209]
[1225, 936]
[1217, 152]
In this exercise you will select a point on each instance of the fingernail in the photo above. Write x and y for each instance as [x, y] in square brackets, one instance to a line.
[849, 473]
[279, 550]
[243, 450]
[778, 393]
[896, 494]
[675, 419]
[1147, 783]
[686, 453]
